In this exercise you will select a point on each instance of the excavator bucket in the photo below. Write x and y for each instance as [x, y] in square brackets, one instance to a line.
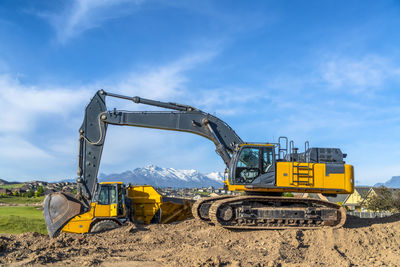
[59, 208]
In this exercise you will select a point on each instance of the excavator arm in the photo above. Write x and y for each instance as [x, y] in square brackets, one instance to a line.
[60, 208]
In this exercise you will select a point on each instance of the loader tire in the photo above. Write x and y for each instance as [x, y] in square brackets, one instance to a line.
[104, 225]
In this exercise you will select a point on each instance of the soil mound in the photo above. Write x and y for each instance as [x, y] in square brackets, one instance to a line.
[361, 242]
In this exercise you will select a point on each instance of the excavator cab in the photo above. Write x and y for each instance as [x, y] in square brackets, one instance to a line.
[253, 164]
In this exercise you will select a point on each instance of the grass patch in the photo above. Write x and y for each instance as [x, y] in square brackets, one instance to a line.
[11, 186]
[21, 200]
[16, 220]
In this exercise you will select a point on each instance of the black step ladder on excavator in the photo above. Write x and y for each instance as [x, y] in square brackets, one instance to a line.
[302, 169]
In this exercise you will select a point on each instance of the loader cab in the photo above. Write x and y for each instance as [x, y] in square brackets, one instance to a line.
[109, 200]
[254, 164]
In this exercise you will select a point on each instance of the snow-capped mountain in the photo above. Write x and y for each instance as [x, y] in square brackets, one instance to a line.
[165, 177]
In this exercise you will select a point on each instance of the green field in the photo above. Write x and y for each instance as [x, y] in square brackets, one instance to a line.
[16, 220]
[21, 200]
[11, 186]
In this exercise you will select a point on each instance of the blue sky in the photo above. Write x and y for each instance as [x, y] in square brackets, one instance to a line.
[323, 71]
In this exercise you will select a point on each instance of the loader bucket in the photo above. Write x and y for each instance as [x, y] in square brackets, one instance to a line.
[59, 208]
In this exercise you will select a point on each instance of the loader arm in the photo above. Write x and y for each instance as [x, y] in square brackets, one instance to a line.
[184, 118]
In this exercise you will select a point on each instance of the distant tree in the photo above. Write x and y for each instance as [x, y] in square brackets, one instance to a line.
[15, 193]
[381, 201]
[30, 193]
[396, 201]
[39, 192]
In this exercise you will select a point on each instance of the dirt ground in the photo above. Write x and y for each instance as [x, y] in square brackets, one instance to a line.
[361, 242]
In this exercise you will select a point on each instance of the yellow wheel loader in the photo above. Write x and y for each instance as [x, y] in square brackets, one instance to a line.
[264, 171]
[114, 204]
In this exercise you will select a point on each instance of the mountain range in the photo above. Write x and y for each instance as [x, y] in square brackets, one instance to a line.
[4, 182]
[394, 182]
[166, 177]
[169, 177]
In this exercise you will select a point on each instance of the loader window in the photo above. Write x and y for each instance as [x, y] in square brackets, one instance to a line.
[108, 195]
[113, 195]
[104, 196]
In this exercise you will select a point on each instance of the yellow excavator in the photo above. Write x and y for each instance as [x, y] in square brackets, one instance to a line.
[263, 171]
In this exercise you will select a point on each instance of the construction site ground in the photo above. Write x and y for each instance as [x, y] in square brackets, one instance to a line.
[361, 242]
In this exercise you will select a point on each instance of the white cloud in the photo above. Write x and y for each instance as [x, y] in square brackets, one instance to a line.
[167, 82]
[20, 159]
[228, 101]
[83, 15]
[359, 75]
[14, 148]
[32, 148]
[24, 105]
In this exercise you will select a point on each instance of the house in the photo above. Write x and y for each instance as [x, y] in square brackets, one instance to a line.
[354, 201]
[24, 188]
[338, 199]
[374, 191]
[18, 190]
[5, 191]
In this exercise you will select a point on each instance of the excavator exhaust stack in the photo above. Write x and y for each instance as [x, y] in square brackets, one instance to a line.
[58, 209]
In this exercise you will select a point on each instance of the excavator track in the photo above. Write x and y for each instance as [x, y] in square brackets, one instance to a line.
[265, 212]
[201, 207]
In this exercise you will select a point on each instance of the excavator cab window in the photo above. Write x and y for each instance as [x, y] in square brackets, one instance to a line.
[254, 162]
[248, 165]
[267, 159]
